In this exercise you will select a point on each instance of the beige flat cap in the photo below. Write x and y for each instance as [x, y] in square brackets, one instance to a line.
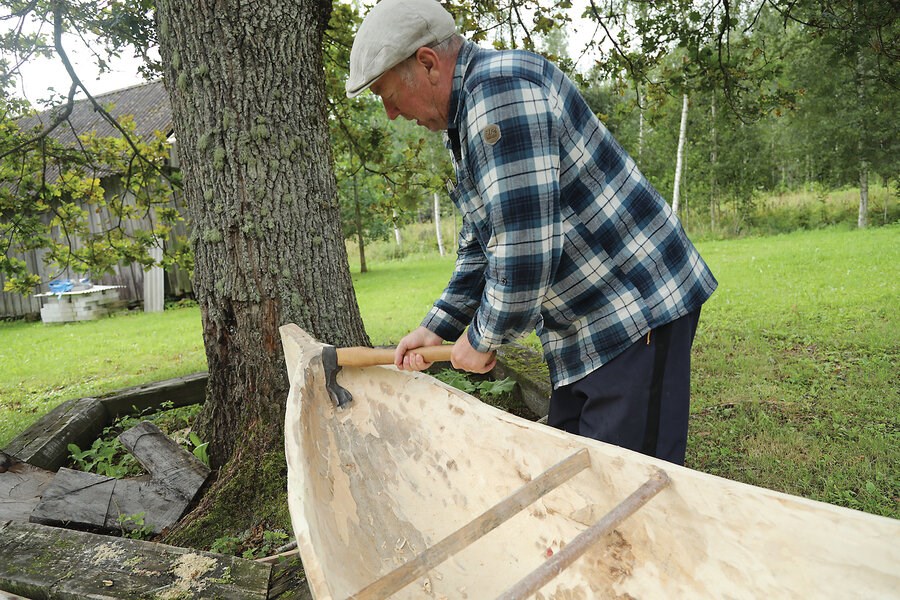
[390, 33]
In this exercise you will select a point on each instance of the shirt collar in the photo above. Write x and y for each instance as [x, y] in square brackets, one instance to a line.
[463, 59]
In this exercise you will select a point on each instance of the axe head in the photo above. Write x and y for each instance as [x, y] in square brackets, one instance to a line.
[339, 395]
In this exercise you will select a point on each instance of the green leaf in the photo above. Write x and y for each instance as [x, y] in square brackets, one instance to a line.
[75, 451]
[497, 388]
[458, 380]
[199, 450]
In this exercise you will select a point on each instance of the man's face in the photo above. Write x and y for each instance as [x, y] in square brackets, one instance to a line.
[414, 100]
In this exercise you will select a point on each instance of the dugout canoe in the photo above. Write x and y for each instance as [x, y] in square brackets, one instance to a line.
[418, 490]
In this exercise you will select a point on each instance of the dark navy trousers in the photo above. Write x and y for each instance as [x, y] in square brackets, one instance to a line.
[640, 400]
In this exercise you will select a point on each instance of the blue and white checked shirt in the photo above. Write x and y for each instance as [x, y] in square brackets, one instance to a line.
[561, 233]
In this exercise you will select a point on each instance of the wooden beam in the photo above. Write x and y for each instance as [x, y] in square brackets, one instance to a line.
[574, 549]
[45, 444]
[81, 421]
[37, 561]
[88, 499]
[180, 391]
[21, 488]
[167, 463]
[477, 528]
[79, 499]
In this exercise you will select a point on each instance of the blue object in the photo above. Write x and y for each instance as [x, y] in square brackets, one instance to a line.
[61, 286]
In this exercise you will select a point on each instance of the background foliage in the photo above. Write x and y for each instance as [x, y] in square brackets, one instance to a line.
[785, 96]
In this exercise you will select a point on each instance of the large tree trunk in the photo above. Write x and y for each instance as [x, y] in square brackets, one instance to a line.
[679, 157]
[246, 86]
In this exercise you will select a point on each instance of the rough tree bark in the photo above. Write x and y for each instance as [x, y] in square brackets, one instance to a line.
[246, 84]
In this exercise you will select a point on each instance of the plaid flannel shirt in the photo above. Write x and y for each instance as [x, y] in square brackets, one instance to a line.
[561, 233]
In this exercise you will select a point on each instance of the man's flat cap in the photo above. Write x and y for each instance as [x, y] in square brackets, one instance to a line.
[392, 32]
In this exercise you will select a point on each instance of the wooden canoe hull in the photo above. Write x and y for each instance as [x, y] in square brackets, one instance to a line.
[411, 461]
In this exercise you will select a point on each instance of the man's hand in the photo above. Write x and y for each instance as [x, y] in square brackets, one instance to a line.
[405, 357]
[465, 357]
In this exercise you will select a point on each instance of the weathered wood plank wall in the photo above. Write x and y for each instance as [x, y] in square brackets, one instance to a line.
[131, 277]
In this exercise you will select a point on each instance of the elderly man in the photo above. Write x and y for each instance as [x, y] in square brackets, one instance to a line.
[561, 232]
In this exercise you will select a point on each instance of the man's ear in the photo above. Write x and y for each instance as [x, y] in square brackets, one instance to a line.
[429, 59]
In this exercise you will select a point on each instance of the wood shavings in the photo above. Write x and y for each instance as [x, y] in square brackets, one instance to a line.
[189, 571]
[106, 553]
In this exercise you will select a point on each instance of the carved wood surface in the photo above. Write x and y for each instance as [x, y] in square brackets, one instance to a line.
[411, 460]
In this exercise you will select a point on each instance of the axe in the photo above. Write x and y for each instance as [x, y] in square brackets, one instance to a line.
[335, 358]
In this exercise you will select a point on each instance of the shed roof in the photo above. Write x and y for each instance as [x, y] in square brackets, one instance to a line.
[148, 103]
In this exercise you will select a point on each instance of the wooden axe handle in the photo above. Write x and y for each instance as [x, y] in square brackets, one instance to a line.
[361, 356]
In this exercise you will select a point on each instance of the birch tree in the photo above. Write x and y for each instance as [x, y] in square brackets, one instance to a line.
[679, 157]
[437, 223]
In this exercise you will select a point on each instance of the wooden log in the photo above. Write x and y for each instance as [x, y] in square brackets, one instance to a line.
[288, 581]
[167, 463]
[75, 498]
[37, 561]
[80, 421]
[90, 500]
[78, 499]
[45, 444]
[180, 391]
[21, 487]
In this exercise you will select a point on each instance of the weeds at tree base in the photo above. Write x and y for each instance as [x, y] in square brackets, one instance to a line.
[108, 457]
[498, 393]
[250, 544]
[134, 527]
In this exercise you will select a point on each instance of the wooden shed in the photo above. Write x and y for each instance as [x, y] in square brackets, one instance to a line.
[148, 104]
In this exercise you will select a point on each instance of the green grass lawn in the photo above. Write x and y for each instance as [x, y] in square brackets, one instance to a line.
[795, 363]
[394, 297]
[42, 365]
[796, 367]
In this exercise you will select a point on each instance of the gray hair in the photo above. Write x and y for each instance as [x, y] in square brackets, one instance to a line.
[445, 48]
